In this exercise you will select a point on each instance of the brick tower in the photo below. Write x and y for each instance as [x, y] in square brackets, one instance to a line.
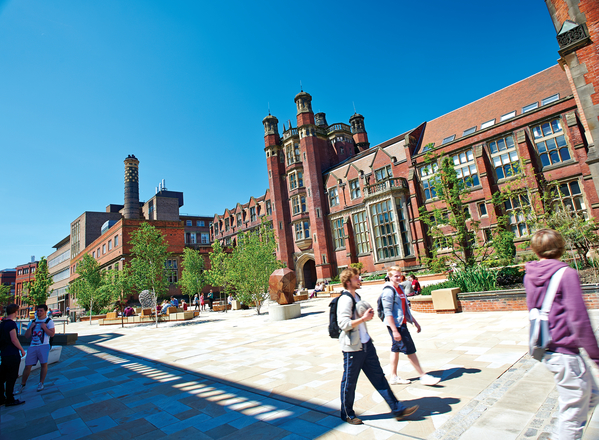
[275, 161]
[359, 132]
[131, 209]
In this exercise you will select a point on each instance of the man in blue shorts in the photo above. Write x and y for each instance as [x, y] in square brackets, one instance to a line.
[40, 331]
[397, 315]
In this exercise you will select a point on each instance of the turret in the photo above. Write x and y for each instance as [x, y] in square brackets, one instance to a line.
[271, 130]
[131, 208]
[359, 132]
[303, 102]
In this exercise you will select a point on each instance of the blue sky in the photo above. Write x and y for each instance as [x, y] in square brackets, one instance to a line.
[184, 86]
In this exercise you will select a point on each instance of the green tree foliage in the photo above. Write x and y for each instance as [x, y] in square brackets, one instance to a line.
[193, 276]
[359, 266]
[252, 262]
[449, 224]
[148, 266]
[119, 285]
[90, 286]
[37, 291]
[5, 296]
[219, 275]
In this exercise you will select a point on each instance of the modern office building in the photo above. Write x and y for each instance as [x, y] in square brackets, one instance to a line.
[59, 271]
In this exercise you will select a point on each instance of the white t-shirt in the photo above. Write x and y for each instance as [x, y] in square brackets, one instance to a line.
[38, 335]
[364, 336]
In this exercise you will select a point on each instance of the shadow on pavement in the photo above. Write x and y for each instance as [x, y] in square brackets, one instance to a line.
[428, 405]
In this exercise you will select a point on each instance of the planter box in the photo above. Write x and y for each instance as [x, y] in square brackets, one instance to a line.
[302, 297]
[94, 318]
[445, 299]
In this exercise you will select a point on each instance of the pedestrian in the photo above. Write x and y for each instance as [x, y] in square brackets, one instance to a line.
[196, 302]
[415, 284]
[406, 285]
[397, 316]
[570, 329]
[10, 353]
[202, 302]
[359, 353]
[210, 299]
[40, 331]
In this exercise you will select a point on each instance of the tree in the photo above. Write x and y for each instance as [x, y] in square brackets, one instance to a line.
[119, 283]
[5, 296]
[37, 291]
[451, 226]
[148, 265]
[89, 288]
[193, 276]
[252, 262]
[219, 275]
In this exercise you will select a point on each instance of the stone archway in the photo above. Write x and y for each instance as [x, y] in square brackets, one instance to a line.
[305, 271]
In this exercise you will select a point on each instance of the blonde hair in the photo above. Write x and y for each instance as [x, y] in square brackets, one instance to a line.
[393, 269]
[347, 275]
[547, 243]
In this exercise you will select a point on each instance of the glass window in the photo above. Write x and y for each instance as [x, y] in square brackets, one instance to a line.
[482, 209]
[530, 107]
[298, 204]
[487, 124]
[226, 224]
[103, 249]
[116, 240]
[333, 197]
[205, 238]
[238, 219]
[172, 274]
[338, 233]
[109, 245]
[570, 198]
[354, 189]
[516, 218]
[268, 207]
[504, 156]
[302, 230]
[189, 223]
[361, 232]
[550, 99]
[252, 214]
[383, 225]
[200, 223]
[383, 173]
[403, 228]
[448, 139]
[93, 255]
[469, 131]
[465, 168]
[551, 143]
[508, 116]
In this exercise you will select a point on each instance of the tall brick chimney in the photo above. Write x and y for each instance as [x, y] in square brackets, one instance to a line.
[131, 210]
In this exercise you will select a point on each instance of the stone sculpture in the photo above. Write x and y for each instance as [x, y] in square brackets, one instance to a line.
[147, 300]
[281, 286]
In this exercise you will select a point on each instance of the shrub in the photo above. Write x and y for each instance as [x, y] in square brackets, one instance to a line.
[380, 276]
[335, 280]
[474, 279]
[510, 275]
[358, 266]
[443, 285]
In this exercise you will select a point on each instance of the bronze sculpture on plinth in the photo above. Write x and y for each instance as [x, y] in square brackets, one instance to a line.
[282, 285]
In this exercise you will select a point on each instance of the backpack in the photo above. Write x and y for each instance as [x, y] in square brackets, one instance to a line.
[540, 337]
[51, 341]
[334, 330]
[379, 303]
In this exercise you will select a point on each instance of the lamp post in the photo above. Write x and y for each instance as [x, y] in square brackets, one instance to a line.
[122, 260]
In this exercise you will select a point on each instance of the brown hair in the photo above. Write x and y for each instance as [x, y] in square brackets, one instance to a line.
[547, 243]
[347, 275]
[393, 269]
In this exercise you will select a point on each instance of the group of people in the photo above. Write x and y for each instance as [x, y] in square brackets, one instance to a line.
[199, 302]
[568, 321]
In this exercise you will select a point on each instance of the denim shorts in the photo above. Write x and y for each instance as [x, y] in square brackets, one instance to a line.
[406, 345]
[37, 353]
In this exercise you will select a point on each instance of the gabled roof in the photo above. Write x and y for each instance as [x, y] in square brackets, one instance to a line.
[533, 89]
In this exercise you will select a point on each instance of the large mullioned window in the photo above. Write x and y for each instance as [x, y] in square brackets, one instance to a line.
[551, 143]
[385, 234]
[465, 168]
[361, 233]
[504, 156]
[338, 233]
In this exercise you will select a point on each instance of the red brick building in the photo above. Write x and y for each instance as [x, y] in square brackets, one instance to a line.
[25, 273]
[334, 200]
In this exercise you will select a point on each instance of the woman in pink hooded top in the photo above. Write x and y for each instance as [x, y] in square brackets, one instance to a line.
[570, 329]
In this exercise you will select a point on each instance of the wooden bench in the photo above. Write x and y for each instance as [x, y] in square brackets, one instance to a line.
[220, 308]
[111, 315]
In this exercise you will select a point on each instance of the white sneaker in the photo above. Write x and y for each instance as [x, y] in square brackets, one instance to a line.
[429, 380]
[19, 389]
[40, 386]
[396, 380]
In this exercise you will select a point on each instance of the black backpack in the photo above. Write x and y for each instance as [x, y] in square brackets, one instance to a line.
[334, 330]
[379, 303]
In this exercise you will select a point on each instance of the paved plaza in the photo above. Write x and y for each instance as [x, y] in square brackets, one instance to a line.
[237, 375]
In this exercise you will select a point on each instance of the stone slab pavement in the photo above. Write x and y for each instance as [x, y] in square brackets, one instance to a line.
[238, 375]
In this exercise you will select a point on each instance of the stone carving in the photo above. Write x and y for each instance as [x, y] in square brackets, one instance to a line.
[281, 286]
[147, 300]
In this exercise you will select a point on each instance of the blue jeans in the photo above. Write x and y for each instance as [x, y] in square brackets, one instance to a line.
[364, 360]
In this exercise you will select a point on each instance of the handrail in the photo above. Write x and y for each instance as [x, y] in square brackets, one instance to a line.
[384, 185]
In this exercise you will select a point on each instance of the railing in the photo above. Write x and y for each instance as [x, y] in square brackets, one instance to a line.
[289, 133]
[339, 127]
[385, 185]
[321, 130]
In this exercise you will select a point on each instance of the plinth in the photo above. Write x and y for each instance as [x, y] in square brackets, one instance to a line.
[278, 312]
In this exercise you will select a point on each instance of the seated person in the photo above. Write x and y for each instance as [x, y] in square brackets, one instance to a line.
[184, 305]
[174, 301]
[164, 307]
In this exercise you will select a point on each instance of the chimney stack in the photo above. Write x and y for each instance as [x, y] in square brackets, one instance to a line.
[131, 210]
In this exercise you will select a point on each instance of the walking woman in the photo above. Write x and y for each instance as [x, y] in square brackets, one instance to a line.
[196, 302]
[202, 305]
